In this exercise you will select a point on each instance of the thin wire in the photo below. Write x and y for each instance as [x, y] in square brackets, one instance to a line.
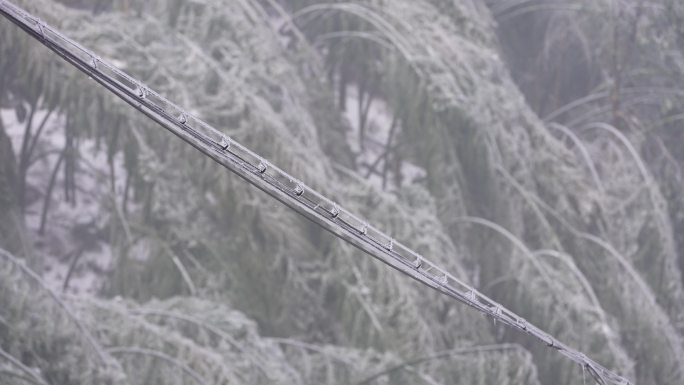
[284, 187]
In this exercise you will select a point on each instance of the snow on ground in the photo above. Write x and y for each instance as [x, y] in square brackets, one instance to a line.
[378, 125]
[72, 230]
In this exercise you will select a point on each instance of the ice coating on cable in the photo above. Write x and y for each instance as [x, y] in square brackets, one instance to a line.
[322, 209]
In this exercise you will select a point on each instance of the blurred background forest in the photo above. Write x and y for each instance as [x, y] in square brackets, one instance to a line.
[534, 148]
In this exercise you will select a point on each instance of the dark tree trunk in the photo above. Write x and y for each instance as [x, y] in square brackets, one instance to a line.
[12, 236]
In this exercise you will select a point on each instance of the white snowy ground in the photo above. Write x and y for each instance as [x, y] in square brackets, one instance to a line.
[378, 124]
[69, 228]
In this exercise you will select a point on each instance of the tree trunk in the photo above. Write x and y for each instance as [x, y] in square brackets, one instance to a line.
[12, 234]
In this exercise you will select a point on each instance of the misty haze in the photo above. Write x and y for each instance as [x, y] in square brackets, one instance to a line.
[371, 192]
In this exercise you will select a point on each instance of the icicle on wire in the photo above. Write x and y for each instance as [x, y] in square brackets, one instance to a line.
[286, 188]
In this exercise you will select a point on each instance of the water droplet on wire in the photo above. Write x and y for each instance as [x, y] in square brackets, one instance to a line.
[141, 91]
[224, 143]
[261, 167]
[298, 190]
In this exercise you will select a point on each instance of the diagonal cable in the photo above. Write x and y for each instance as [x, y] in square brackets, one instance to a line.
[285, 188]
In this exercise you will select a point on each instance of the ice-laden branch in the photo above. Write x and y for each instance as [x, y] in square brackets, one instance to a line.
[285, 188]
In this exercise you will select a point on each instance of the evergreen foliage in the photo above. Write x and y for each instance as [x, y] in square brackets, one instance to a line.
[547, 133]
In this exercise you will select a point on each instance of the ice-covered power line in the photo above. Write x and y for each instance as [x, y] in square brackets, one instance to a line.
[284, 187]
